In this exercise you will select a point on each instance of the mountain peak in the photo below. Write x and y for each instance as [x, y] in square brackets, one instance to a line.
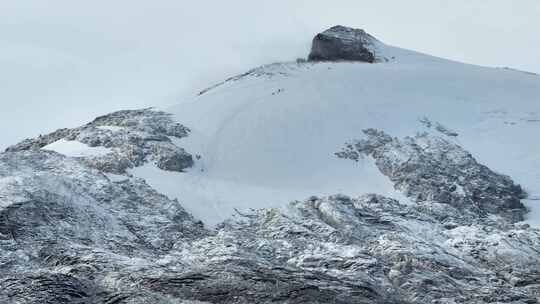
[343, 43]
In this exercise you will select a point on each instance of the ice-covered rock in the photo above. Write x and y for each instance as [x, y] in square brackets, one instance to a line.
[66, 229]
[133, 136]
[433, 169]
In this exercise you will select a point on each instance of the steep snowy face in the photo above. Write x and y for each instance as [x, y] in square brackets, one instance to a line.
[273, 131]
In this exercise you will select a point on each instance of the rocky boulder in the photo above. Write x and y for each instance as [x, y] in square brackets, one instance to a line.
[343, 43]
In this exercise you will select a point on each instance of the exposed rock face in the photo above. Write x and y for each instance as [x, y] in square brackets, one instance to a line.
[432, 169]
[135, 136]
[343, 43]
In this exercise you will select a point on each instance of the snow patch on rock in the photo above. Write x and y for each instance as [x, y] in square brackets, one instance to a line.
[75, 148]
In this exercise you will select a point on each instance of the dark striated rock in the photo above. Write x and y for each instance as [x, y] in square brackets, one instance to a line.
[428, 168]
[343, 43]
[45, 289]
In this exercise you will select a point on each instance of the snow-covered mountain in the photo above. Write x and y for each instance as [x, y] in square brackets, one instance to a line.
[269, 136]
[413, 179]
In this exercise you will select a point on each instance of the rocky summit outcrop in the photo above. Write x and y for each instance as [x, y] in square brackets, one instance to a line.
[133, 136]
[344, 43]
[71, 232]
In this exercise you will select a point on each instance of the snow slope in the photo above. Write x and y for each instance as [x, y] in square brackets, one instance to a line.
[74, 148]
[269, 136]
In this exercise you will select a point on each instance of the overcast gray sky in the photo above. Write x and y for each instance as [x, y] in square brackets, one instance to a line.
[62, 62]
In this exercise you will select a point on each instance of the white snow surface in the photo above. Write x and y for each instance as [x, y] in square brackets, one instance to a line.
[73, 148]
[269, 137]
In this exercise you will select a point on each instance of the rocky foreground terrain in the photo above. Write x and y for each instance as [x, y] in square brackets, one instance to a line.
[84, 230]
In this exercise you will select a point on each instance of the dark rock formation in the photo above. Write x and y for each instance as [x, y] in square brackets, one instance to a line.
[343, 43]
